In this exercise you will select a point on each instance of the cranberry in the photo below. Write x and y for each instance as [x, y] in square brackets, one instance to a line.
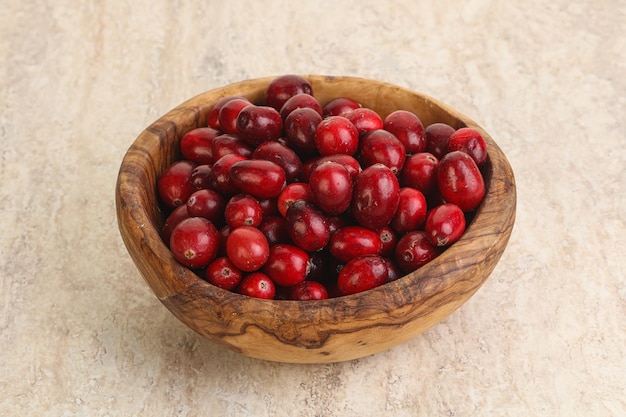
[389, 239]
[331, 187]
[362, 274]
[275, 230]
[269, 206]
[227, 143]
[340, 106]
[308, 291]
[460, 181]
[284, 87]
[300, 101]
[414, 250]
[375, 196]
[174, 184]
[214, 115]
[411, 212]
[336, 135]
[220, 174]
[349, 162]
[287, 265]
[256, 124]
[445, 224]
[257, 285]
[195, 145]
[307, 226]
[393, 270]
[282, 156]
[176, 216]
[258, 177]
[469, 141]
[300, 127]
[351, 242]
[337, 222]
[243, 210]
[382, 147]
[208, 204]
[437, 136]
[292, 193]
[223, 273]
[420, 172]
[247, 248]
[201, 177]
[194, 242]
[229, 114]
[408, 128]
[365, 120]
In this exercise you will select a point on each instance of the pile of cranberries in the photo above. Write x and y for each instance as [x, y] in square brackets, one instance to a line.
[295, 199]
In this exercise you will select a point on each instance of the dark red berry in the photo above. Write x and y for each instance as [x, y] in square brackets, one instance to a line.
[194, 242]
[362, 274]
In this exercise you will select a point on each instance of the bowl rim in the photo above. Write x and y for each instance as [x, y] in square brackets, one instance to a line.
[140, 232]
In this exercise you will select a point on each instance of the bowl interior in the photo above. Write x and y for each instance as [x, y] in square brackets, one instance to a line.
[331, 330]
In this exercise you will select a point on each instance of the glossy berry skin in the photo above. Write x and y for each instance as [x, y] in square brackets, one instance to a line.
[292, 193]
[243, 210]
[222, 273]
[287, 265]
[411, 212]
[437, 136]
[208, 204]
[228, 143]
[174, 184]
[176, 216]
[408, 128]
[195, 145]
[213, 117]
[414, 250]
[331, 187]
[275, 230]
[389, 240]
[365, 120]
[445, 224]
[247, 248]
[362, 274]
[194, 242]
[200, 177]
[307, 226]
[460, 181]
[282, 156]
[300, 101]
[340, 106]
[307, 291]
[300, 127]
[420, 172]
[257, 285]
[375, 196]
[469, 141]
[336, 135]
[219, 178]
[284, 87]
[257, 124]
[229, 114]
[382, 147]
[258, 177]
[350, 242]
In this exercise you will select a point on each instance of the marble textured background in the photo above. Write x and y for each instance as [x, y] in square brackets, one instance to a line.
[80, 333]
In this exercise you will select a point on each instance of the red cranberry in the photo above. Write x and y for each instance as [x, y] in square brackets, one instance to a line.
[414, 250]
[227, 143]
[408, 128]
[292, 193]
[220, 174]
[287, 265]
[308, 291]
[300, 127]
[420, 172]
[375, 196]
[229, 114]
[340, 106]
[247, 248]
[208, 204]
[243, 210]
[201, 177]
[282, 156]
[331, 187]
[194, 242]
[389, 240]
[336, 135]
[195, 145]
[365, 120]
[300, 101]
[351, 242]
[214, 115]
[223, 273]
[469, 141]
[275, 230]
[445, 224]
[174, 184]
[284, 87]
[269, 206]
[349, 162]
[382, 147]
[362, 274]
[307, 226]
[178, 215]
[258, 177]
[460, 181]
[256, 124]
[411, 212]
[257, 285]
[437, 136]
[393, 270]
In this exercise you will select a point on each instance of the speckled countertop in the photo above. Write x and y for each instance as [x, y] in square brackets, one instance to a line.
[82, 335]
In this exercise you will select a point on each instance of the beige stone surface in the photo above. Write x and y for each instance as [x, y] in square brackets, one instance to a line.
[81, 334]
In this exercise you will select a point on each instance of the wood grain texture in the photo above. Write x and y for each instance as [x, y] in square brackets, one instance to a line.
[332, 330]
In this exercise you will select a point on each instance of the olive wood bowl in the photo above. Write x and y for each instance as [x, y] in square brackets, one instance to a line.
[332, 330]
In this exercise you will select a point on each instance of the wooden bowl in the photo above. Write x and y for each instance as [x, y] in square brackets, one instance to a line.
[332, 330]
